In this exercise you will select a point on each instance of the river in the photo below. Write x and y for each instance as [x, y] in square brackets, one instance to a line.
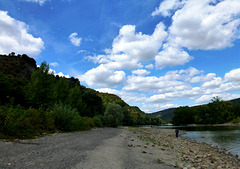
[220, 136]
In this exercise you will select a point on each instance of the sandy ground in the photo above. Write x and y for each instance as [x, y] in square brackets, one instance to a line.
[103, 148]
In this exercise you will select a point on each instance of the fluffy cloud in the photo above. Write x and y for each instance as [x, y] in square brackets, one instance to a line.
[171, 81]
[216, 82]
[76, 41]
[128, 50]
[14, 37]
[103, 76]
[54, 72]
[137, 45]
[233, 75]
[141, 72]
[171, 56]
[161, 92]
[211, 26]
[150, 66]
[62, 75]
[167, 6]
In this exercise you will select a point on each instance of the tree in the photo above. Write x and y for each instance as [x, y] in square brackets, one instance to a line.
[61, 90]
[127, 118]
[6, 88]
[113, 115]
[93, 102]
[75, 100]
[41, 87]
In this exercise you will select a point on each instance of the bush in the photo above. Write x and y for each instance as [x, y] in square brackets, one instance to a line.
[113, 115]
[65, 117]
[68, 119]
[97, 121]
[21, 123]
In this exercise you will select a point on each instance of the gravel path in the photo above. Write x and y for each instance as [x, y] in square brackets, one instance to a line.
[103, 148]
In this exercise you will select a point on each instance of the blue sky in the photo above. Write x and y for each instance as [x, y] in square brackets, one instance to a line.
[154, 54]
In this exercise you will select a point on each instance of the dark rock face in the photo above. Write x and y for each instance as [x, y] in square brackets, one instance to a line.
[20, 66]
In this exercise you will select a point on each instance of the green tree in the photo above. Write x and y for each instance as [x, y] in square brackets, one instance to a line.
[75, 100]
[113, 115]
[6, 88]
[94, 104]
[183, 115]
[61, 90]
[127, 118]
[41, 87]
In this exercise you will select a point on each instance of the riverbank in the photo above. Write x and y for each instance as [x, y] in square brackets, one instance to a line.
[184, 153]
[108, 148]
[224, 124]
[101, 148]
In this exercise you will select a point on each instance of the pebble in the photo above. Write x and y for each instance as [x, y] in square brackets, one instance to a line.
[190, 154]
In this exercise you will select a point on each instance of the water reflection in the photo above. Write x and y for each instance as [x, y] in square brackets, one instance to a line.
[228, 138]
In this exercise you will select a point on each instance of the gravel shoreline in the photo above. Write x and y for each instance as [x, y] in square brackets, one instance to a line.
[118, 148]
[185, 153]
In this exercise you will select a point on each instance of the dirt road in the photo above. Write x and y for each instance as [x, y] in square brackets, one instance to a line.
[103, 148]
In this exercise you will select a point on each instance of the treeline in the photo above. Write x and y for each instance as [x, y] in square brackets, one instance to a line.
[215, 112]
[49, 103]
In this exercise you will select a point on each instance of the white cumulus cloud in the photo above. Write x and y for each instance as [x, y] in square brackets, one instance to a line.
[171, 56]
[205, 24]
[103, 76]
[166, 6]
[76, 41]
[137, 45]
[14, 37]
[233, 75]
[141, 72]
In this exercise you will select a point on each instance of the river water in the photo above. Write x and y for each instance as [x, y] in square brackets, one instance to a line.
[222, 137]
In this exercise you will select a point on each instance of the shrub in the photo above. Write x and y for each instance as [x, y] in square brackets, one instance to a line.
[65, 117]
[113, 115]
[21, 123]
[97, 121]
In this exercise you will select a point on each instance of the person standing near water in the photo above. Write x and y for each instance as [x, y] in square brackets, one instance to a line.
[176, 131]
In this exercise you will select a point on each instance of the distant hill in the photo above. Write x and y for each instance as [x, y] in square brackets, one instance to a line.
[235, 101]
[167, 115]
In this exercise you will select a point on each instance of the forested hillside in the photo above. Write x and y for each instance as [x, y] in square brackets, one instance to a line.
[216, 112]
[34, 101]
[202, 114]
[165, 115]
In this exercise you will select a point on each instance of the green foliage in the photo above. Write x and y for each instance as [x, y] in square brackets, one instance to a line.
[113, 115]
[5, 88]
[21, 123]
[61, 90]
[41, 87]
[97, 121]
[75, 100]
[94, 105]
[12, 89]
[157, 121]
[56, 102]
[66, 118]
[216, 112]
[127, 118]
